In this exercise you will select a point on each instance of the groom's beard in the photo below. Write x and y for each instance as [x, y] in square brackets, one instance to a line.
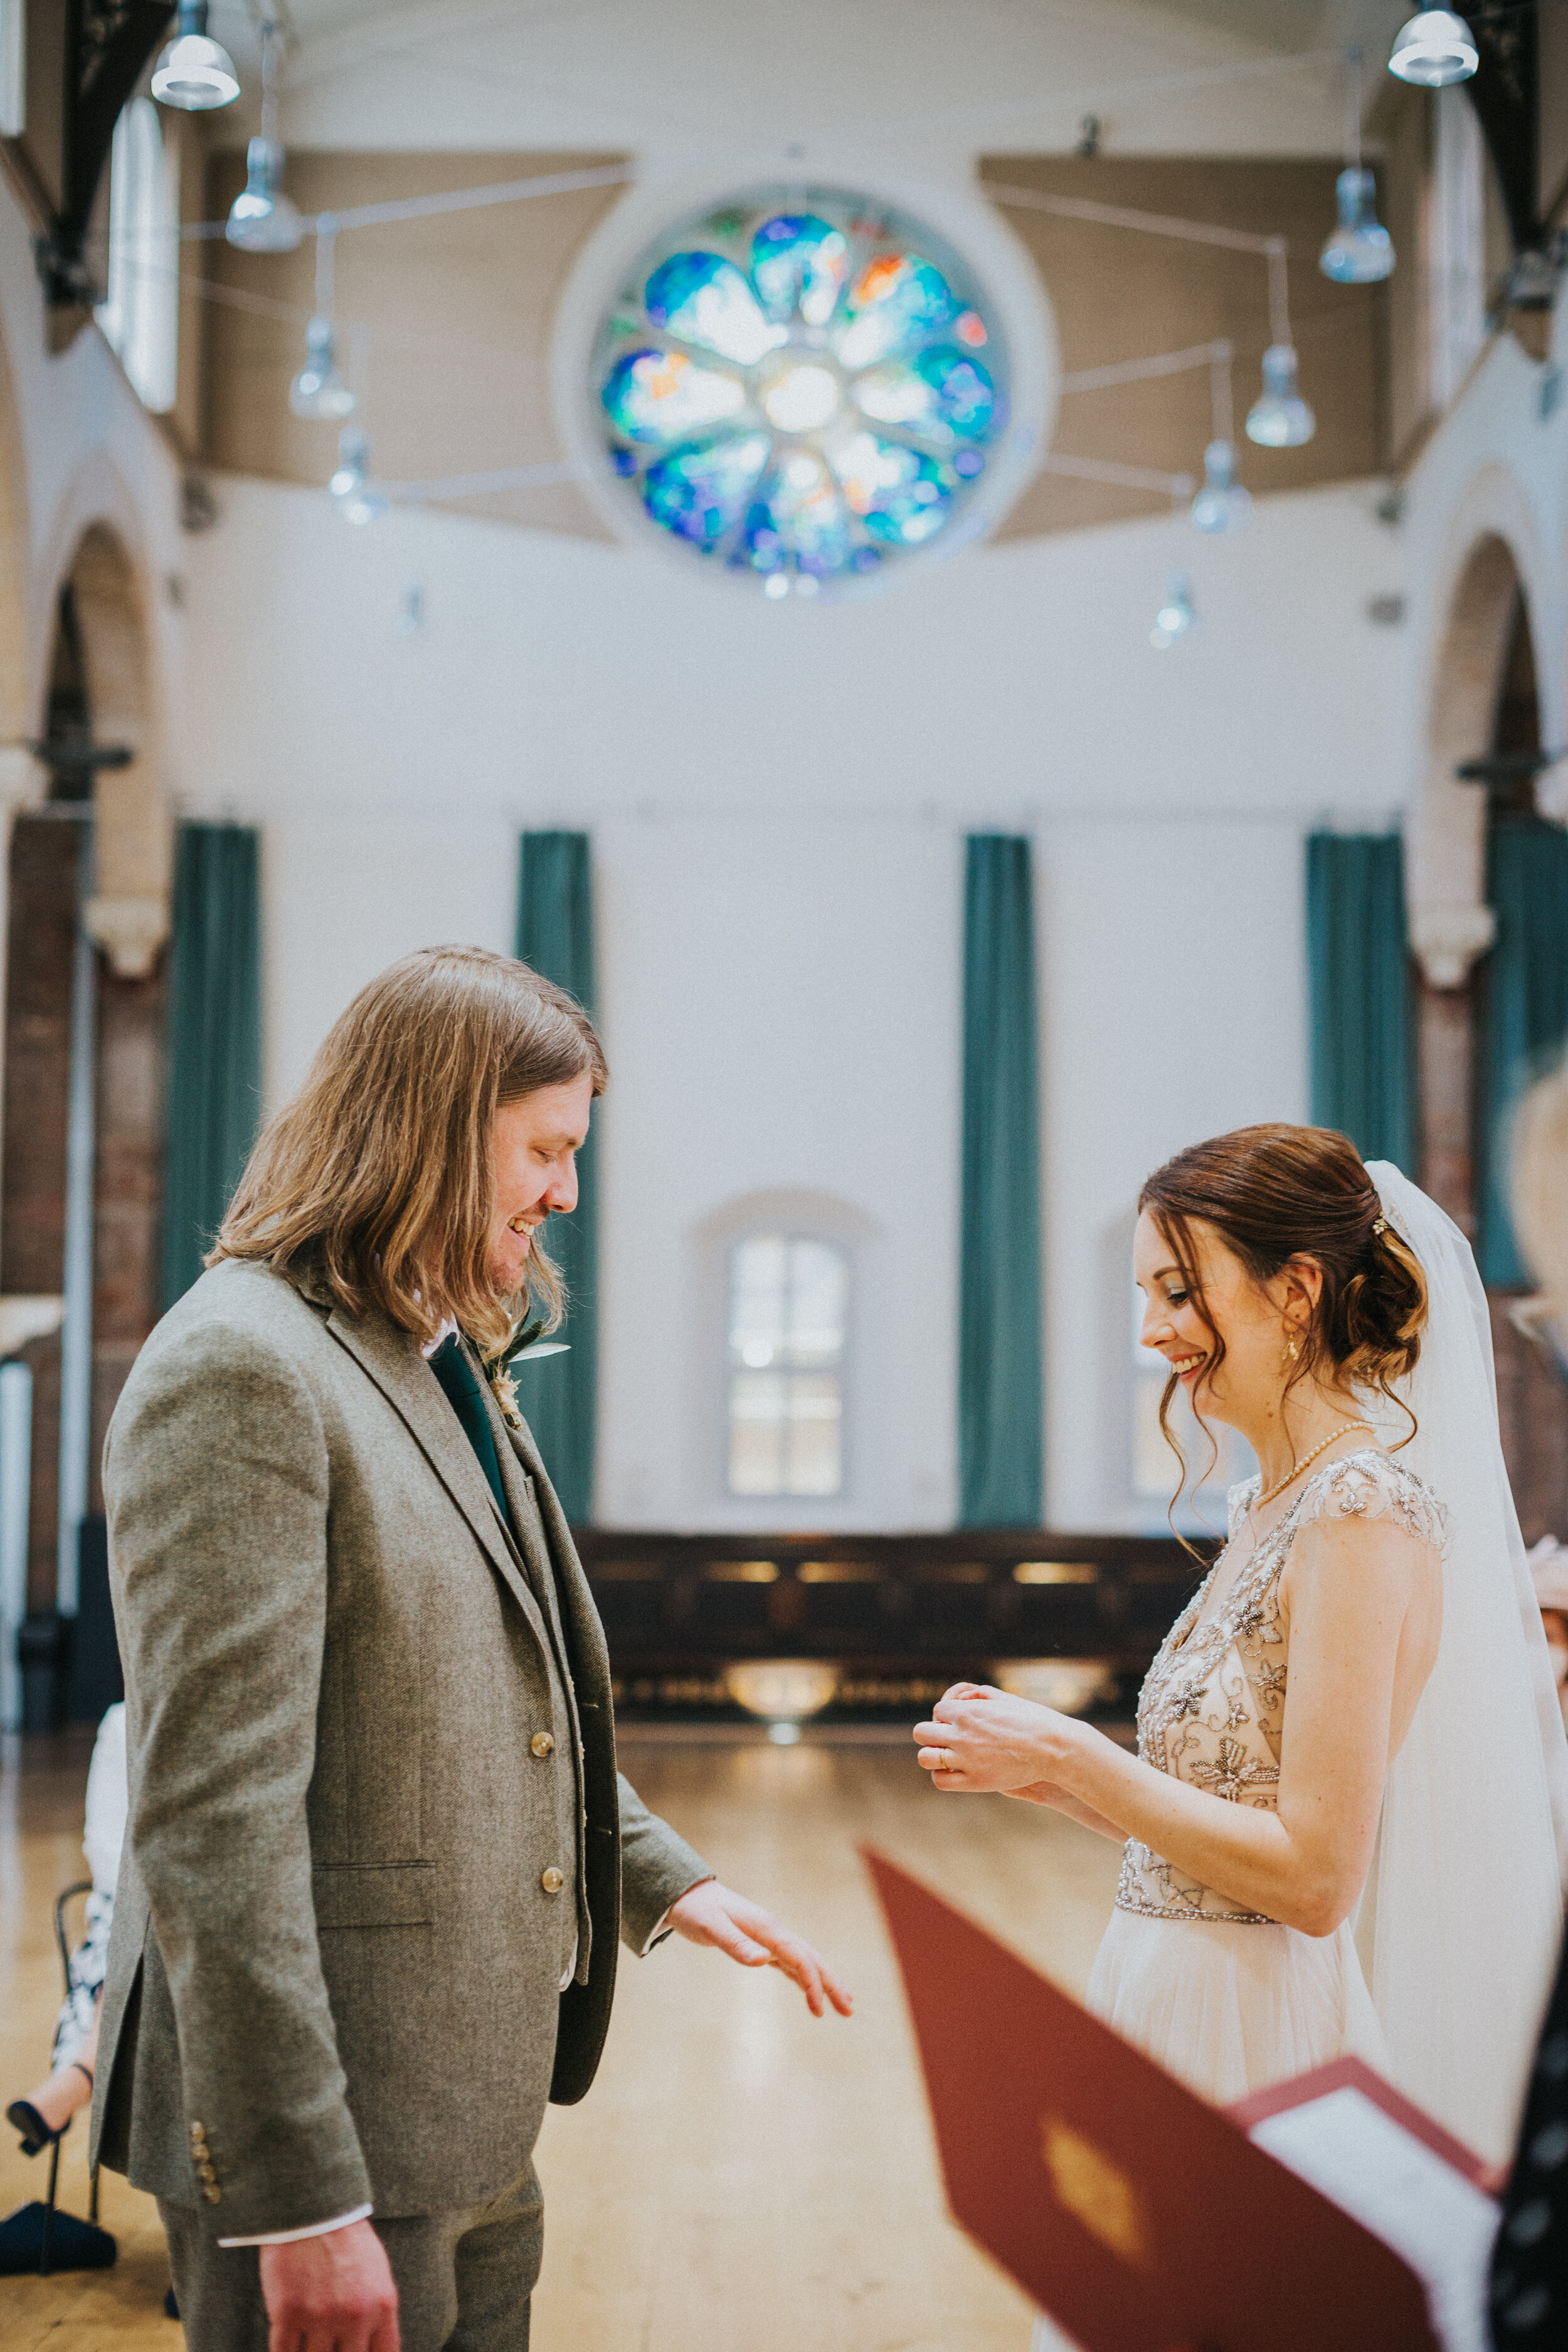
[509, 1284]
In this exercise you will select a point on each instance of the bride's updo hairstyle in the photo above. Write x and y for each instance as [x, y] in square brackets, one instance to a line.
[1277, 1192]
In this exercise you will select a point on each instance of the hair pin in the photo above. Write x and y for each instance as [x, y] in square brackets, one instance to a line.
[1380, 1225]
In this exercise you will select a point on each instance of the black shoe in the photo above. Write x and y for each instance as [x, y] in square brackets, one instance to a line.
[23, 2117]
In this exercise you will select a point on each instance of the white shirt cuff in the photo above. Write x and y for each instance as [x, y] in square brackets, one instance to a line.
[662, 1927]
[312, 2230]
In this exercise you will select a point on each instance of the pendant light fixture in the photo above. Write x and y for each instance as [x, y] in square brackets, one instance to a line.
[354, 496]
[1279, 418]
[318, 393]
[1359, 250]
[1177, 616]
[1221, 504]
[262, 219]
[1433, 50]
[195, 73]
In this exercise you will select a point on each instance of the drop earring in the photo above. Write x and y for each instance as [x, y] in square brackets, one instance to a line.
[1291, 1349]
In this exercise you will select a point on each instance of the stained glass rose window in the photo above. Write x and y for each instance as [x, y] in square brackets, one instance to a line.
[805, 392]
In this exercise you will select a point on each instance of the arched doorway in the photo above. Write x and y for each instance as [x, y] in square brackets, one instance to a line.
[1486, 867]
[1451, 924]
[80, 1187]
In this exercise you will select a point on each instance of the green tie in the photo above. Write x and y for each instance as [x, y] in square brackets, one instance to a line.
[456, 1374]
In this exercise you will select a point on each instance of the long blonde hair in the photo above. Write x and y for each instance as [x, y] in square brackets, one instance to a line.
[377, 1175]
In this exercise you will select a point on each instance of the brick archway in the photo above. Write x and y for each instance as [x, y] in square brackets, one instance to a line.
[89, 868]
[1451, 924]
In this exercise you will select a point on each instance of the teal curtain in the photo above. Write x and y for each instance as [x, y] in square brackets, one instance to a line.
[999, 1391]
[1358, 971]
[559, 1395]
[1525, 1013]
[214, 1103]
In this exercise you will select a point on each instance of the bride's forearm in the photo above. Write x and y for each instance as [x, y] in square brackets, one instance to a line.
[1045, 1792]
[1245, 1852]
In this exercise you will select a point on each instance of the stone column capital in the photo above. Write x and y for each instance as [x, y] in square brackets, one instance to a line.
[1448, 939]
[23, 779]
[130, 931]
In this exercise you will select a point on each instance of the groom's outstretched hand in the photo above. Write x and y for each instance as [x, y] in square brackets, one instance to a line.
[715, 1914]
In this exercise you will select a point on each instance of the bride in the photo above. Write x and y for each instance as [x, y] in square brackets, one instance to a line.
[1348, 1747]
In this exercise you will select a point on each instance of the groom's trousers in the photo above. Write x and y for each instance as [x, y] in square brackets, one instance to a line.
[464, 2279]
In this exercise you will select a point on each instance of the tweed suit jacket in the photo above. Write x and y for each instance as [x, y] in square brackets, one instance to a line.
[353, 1872]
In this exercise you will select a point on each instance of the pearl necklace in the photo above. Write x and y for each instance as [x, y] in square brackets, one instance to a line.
[1296, 1467]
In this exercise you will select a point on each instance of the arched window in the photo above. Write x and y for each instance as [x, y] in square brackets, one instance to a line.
[789, 1301]
[140, 315]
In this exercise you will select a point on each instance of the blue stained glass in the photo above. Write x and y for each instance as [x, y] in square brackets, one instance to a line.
[799, 511]
[698, 493]
[897, 300]
[900, 496]
[655, 395]
[704, 299]
[799, 262]
[806, 388]
[943, 395]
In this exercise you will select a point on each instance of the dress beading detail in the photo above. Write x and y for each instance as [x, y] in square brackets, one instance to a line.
[1212, 1709]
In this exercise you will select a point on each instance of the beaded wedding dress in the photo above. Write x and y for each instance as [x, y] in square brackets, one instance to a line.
[1461, 1918]
[1233, 2000]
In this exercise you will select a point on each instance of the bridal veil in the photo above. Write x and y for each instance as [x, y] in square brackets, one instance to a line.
[1462, 1916]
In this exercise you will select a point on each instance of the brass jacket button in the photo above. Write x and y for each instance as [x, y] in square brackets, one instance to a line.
[205, 2172]
[212, 2194]
[552, 1880]
[541, 1744]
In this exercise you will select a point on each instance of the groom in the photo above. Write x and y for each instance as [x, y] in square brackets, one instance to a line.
[377, 1851]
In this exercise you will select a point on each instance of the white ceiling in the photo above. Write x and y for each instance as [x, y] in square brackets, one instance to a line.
[946, 79]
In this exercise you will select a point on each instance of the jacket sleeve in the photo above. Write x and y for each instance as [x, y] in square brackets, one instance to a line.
[216, 1485]
[657, 1868]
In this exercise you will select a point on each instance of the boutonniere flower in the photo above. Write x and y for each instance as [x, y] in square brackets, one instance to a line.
[524, 1342]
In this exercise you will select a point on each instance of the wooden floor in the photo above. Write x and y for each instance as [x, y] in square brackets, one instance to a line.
[739, 2173]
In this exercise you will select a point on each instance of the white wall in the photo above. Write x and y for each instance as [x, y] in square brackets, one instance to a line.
[1174, 1008]
[778, 797]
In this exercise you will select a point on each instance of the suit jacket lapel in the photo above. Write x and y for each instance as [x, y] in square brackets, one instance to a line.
[521, 1485]
[391, 1359]
[584, 1635]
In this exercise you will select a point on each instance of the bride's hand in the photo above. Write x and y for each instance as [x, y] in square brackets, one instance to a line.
[981, 1739]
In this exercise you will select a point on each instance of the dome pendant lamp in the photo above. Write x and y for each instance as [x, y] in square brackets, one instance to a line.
[354, 496]
[1433, 50]
[1359, 250]
[1221, 504]
[195, 73]
[1177, 615]
[318, 393]
[1279, 418]
[262, 219]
